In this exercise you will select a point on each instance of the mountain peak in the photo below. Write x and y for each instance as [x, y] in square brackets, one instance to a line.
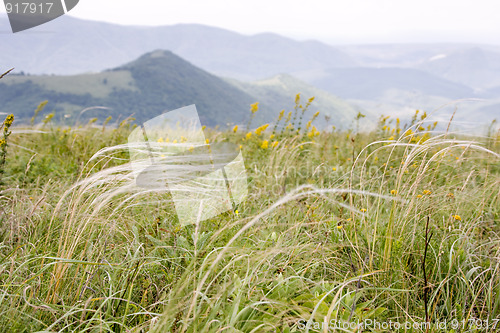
[157, 57]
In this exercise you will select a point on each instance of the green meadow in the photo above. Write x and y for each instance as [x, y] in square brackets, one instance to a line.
[400, 224]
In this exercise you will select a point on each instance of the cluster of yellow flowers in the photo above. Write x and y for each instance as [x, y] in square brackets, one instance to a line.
[282, 113]
[265, 144]
[314, 132]
[424, 192]
[297, 99]
[8, 121]
[261, 129]
[254, 107]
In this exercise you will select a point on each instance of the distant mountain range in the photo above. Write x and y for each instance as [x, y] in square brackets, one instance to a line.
[376, 78]
[73, 46]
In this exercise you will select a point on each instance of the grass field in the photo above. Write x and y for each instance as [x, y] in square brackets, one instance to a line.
[397, 225]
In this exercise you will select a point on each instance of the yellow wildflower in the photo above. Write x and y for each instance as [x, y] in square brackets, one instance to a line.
[457, 217]
[207, 141]
[249, 135]
[334, 169]
[363, 210]
[235, 128]
[275, 143]
[254, 107]
[426, 192]
[339, 227]
[394, 192]
[265, 144]
[10, 119]
[282, 113]
[261, 129]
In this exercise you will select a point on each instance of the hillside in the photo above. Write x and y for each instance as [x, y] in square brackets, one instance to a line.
[473, 66]
[146, 87]
[371, 83]
[279, 89]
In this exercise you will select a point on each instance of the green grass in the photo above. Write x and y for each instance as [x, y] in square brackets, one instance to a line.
[334, 227]
[98, 85]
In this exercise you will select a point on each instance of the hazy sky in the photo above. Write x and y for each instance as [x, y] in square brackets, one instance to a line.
[345, 21]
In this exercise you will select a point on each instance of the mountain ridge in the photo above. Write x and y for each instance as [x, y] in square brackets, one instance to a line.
[77, 46]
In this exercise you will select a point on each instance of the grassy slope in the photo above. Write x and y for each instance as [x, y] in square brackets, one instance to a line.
[99, 85]
[156, 82]
[334, 227]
